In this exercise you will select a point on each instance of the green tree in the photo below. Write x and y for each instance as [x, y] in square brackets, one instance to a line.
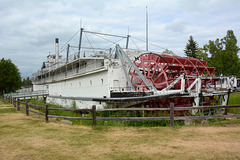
[202, 54]
[26, 82]
[166, 51]
[191, 48]
[10, 79]
[43, 66]
[224, 55]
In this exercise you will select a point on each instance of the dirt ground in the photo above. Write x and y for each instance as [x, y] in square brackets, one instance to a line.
[30, 137]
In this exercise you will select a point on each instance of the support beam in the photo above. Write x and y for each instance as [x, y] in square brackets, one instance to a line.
[122, 54]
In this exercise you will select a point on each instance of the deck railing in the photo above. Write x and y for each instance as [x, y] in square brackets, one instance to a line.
[26, 94]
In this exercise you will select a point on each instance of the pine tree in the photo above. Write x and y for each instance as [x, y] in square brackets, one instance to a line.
[43, 66]
[191, 48]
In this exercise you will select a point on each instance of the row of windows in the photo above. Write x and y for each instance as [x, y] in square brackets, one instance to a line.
[79, 84]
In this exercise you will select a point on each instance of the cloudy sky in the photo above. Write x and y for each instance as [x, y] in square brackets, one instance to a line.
[28, 27]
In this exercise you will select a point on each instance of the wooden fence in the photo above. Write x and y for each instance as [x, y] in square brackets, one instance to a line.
[94, 118]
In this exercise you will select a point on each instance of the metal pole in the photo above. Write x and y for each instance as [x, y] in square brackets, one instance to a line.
[127, 41]
[67, 52]
[80, 42]
[146, 29]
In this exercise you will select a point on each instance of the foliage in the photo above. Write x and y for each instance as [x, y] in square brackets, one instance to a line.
[26, 82]
[202, 54]
[224, 55]
[43, 66]
[10, 79]
[166, 51]
[191, 48]
[234, 99]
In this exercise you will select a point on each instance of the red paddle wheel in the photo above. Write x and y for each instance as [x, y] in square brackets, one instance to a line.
[162, 70]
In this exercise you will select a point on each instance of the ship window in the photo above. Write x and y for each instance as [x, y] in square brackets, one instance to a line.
[79, 84]
[102, 81]
[90, 82]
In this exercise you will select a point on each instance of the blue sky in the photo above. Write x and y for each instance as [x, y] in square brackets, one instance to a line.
[28, 27]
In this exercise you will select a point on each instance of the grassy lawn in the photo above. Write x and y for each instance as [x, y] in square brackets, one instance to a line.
[30, 137]
[234, 99]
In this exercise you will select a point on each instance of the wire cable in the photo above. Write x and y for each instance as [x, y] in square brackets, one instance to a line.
[114, 43]
[134, 43]
[70, 39]
[89, 42]
[149, 43]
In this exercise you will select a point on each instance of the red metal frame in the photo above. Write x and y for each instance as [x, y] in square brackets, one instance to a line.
[162, 70]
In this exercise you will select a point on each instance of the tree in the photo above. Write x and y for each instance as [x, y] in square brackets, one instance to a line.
[224, 55]
[191, 48]
[43, 66]
[166, 51]
[26, 82]
[10, 79]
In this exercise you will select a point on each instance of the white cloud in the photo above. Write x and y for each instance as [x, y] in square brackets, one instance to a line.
[178, 25]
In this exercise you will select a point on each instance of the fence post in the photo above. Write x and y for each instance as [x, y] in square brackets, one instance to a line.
[46, 113]
[27, 107]
[18, 104]
[44, 99]
[14, 102]
[229, 91]
[171, 114]
[94, 115]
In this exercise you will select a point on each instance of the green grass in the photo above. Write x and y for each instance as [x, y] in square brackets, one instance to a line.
[234, 99]
[3, 101]
[30, 137]
[8, 110]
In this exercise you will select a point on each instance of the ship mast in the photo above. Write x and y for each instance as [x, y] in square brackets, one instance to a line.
[80, 42]
[146, 29]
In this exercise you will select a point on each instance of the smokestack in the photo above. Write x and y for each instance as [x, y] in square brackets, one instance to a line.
[57, 49]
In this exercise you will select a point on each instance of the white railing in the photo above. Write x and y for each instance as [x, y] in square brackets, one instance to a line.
[27, 93]
[90, 67]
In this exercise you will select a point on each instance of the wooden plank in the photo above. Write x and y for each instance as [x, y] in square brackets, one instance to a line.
[37, 112]
[166, 109]
[35, 106]
[76, 118]
[134, 109]
[22, 107]
[206, 117]
[22, 102]
[132, 118]
[74, 110]
[205, 107]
